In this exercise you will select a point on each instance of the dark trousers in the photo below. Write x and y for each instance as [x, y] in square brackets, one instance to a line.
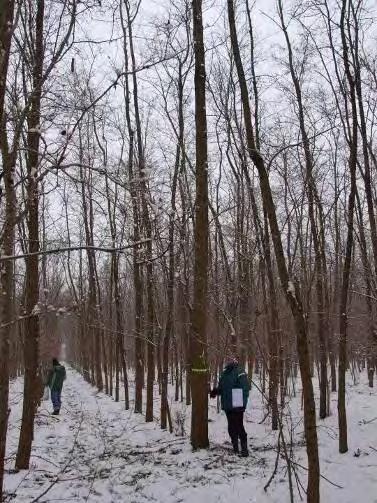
[235, 426]
[56, 399]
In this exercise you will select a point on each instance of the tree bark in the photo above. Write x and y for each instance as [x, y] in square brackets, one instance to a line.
[137, 273]
[32, 268]
[352, 165]
[291, 291]
[6, 268]
[198, 346]
[310, 185]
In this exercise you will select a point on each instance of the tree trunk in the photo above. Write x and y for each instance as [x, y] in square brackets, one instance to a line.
[291, 291]
[137, 276]
[7, 267]
[169, 330]
[31, 338]
[198, 348]
[146, 221]
[343, 307]
[310, 185]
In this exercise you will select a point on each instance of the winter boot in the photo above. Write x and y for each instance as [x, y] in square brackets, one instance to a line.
[244, 449]
[56, 412]
[235, 445]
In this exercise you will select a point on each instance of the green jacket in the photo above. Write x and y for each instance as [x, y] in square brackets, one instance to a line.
[56, 378]
[233, 376]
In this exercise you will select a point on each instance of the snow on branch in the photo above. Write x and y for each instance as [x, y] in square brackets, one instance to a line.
[4, 258]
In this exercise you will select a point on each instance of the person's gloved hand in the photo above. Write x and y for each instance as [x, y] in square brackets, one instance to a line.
[213, 393]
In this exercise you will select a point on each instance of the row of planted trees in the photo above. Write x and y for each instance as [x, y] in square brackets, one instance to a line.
[196, 197]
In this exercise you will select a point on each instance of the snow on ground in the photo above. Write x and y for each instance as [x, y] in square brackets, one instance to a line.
[95, 451]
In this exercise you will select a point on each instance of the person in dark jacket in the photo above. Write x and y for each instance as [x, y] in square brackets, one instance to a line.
[55, 380]
[234, 388]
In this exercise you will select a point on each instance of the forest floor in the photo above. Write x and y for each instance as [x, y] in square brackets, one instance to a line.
[95, 451]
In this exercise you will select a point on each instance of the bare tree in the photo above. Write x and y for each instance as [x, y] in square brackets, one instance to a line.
[311, 190]
[7, 8]
[291, 290]
[34, 32]
[352, 140]
[198, 349]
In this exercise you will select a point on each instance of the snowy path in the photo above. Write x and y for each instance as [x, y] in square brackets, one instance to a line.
[98, 452]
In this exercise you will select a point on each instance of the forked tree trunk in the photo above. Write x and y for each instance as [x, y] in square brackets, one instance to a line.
[137, 273]
[93, 315]
[147, 225]
[310, 185]
[264, 247]
[169, 329]
[291, 291]
[120, 349]
[371, 344]
[274, 331]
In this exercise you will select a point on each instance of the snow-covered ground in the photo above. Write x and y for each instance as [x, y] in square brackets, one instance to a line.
[95, 451]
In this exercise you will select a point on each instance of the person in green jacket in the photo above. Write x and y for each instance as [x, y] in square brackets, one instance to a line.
[234, 388]
[55, 380]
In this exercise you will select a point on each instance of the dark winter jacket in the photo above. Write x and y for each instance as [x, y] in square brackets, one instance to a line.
[56, 378]
[233, 376]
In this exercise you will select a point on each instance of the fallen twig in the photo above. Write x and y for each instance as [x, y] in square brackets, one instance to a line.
[322, 476]
[368, 422]
[275, 467]
[57, 477]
